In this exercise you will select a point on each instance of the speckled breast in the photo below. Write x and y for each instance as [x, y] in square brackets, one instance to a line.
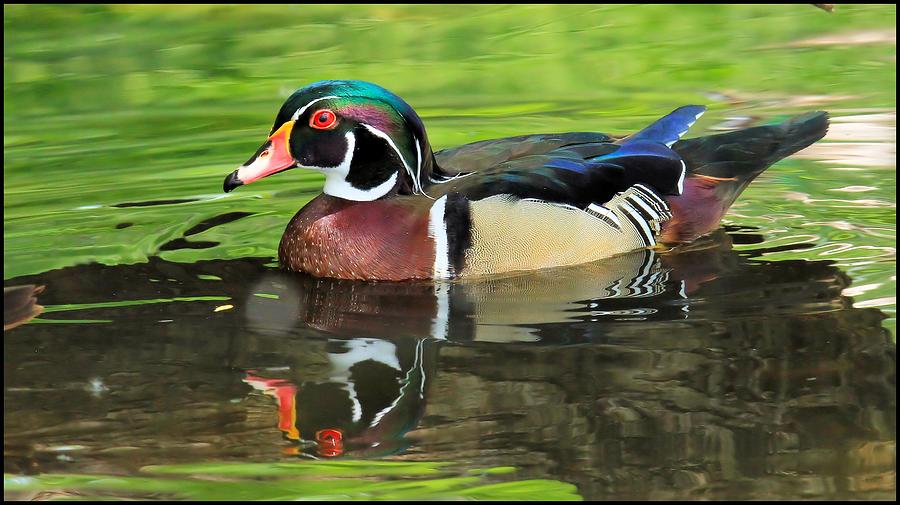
[383, 239]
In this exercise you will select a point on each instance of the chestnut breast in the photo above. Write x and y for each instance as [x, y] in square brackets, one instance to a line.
[382, 239]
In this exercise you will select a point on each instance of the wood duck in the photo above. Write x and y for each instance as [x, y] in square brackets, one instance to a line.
[392, 209]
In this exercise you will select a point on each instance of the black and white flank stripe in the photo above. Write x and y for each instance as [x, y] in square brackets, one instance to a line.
[604, 214]
[645, 209]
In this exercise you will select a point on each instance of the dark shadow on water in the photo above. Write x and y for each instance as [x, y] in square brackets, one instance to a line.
[151, 203]
[219, 220]
[701, 372]
[180, 243]
[183, 243]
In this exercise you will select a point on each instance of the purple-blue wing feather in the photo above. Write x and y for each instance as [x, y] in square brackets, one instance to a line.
[669, 128]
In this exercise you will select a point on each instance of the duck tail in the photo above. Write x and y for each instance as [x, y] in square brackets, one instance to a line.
[719, 167]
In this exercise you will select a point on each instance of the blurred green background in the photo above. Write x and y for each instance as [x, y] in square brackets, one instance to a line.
[121, 122]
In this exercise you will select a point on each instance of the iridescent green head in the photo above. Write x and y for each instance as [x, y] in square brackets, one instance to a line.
[367, 141]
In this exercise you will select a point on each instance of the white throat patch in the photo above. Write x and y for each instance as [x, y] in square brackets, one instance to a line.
[336, 178]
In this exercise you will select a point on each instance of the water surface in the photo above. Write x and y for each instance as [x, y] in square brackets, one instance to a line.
[758, 363]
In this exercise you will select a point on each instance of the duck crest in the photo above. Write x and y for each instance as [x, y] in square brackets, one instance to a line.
[392, 209]
[386, 123]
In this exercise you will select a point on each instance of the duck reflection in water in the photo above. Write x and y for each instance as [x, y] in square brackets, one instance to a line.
[655, 374]
[386, 337]
[371, 394]
[371, 381]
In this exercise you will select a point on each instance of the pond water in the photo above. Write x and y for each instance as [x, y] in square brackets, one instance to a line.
[173, 358]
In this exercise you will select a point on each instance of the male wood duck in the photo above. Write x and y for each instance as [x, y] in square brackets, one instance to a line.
[391, 209]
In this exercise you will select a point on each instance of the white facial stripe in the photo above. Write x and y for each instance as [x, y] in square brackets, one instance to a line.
[417, 184]
[437, 230]
[448, 179]
[336, 178]
[344, 167]
[301, 110]
[419, 168]
[418, 163]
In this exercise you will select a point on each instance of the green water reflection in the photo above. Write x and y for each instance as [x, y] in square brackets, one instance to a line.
[114, 104]
[706, 373]
[121, 121]
[349, 480]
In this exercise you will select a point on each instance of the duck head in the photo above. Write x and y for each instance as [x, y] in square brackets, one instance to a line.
[367, 141]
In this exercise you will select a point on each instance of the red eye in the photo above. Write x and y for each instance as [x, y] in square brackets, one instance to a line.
[323, 119]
